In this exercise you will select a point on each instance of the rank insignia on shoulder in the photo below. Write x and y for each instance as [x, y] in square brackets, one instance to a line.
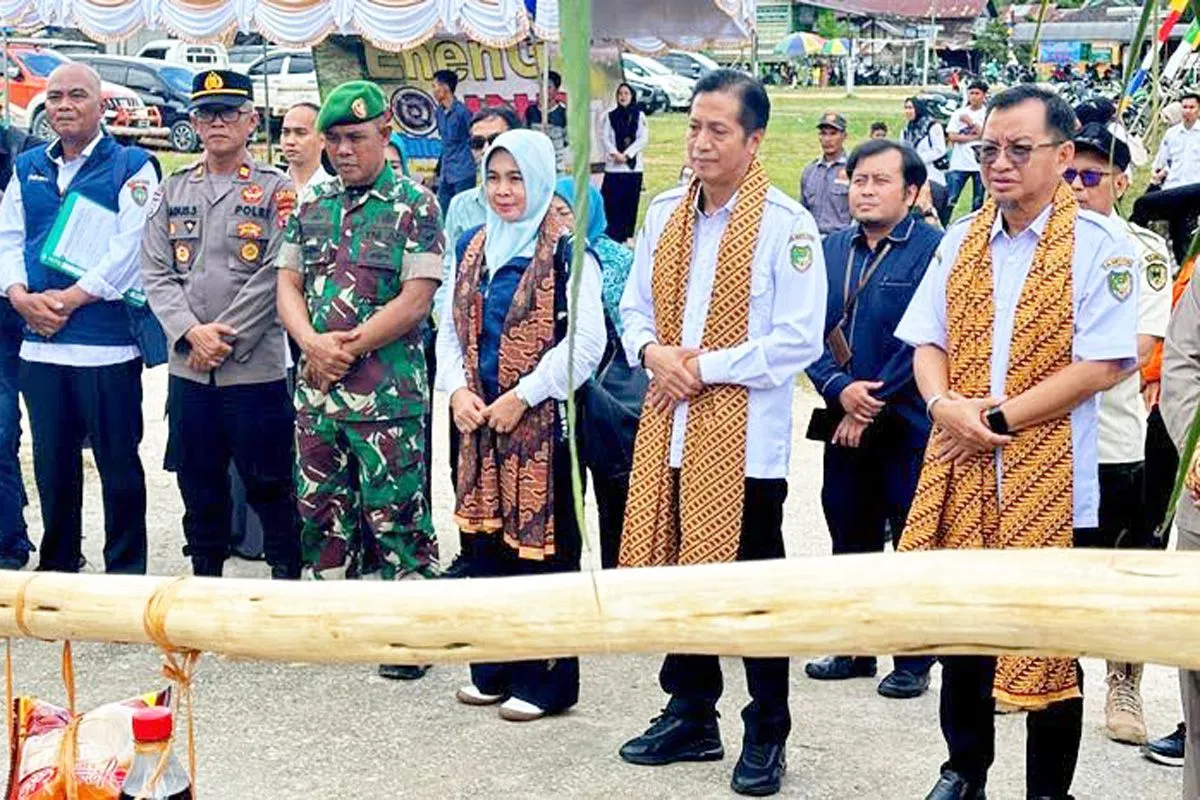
[1156, 272]
[1120, 284]
[243, 172]
[252, 193]
[1117, 262]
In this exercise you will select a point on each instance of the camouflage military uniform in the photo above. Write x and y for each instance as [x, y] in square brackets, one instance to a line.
[360, 446]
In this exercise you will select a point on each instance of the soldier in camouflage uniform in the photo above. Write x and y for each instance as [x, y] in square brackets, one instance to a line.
[359, 267]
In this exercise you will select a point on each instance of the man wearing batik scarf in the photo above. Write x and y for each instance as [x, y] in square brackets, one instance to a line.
[725, 306]
[1027, 312]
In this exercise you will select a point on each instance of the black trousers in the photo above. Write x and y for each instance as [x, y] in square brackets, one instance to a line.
[1122, 514]
[550, 684]
[1178, 207]
[103, 404]
[866, 494]
[611, 494]
[1162, 462]
[967, 715]
[252, 426]
[695, 682]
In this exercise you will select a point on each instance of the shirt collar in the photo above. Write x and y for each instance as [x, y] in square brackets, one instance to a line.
[899, 233]
[56, 154]
[841, 159]
[728, 207]
[1037, 227]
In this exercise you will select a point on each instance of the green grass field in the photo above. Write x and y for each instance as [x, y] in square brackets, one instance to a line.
[791, 140]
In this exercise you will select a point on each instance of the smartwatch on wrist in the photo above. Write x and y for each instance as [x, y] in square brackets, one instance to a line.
[642, 354]
[996, 421]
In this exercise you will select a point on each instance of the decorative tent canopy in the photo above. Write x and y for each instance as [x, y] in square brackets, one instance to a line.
[389, 24]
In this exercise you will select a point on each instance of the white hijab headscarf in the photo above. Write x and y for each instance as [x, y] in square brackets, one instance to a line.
[534, 154]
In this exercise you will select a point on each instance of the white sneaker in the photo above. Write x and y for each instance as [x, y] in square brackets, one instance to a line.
[518, 710]
[470, 695]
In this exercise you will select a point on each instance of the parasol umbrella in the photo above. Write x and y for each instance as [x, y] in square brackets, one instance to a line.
[835, 47]
[800, 44]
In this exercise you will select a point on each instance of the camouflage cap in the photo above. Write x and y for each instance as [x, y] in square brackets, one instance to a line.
[832, 119]
[351, 103]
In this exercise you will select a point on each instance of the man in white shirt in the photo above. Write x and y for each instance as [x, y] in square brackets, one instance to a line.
[725, 306]
[1026, 313]
[1177, 172]
[966, 126]
[80, 360]
[302, 147]
[1098, 177]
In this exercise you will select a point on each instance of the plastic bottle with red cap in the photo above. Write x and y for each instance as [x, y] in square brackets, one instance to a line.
[152, 729]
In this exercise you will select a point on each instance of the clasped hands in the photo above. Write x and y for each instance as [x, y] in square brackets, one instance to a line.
[675, 375]
[962, 433]
[329, 356]
[47, 312]
[471, 413]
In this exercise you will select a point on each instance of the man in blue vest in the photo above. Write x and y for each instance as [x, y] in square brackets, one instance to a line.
[81, 364]
[14, 538]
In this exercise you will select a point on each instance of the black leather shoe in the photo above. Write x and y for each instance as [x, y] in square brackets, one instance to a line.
[460, 567]
[402, 672]
[952, 786]
[901, 684]
[840, 668]
[672, 738]
[759, 772]
[15, 560]
[285, 572]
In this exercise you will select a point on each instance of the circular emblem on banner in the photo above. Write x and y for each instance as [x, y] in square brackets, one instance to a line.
[414, 111]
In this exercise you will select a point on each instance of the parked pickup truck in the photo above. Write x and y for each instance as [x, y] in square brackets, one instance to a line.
[292, 79]
[29, 66]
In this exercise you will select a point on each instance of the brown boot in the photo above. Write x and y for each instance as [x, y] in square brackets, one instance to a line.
[1123, 720]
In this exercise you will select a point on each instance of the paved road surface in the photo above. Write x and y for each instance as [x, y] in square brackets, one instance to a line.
[294, 731]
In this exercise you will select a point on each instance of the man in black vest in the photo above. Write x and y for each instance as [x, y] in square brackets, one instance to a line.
[80, 359]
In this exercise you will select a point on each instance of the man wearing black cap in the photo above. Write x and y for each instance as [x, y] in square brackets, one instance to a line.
[208, 258]
[1098, 177]
[825, 184]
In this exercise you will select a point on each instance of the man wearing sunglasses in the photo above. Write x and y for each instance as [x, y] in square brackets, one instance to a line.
[1027, 312]
[466, 212]
[208, 259]
[1098, 178]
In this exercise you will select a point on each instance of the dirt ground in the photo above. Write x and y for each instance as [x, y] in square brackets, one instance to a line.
[301, 731]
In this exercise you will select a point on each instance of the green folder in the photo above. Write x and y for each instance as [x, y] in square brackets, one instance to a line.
[56, 252]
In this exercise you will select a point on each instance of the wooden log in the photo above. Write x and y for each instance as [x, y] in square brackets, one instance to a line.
[1127, 606]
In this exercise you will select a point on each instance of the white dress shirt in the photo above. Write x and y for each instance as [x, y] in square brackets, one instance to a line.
[962, 157]
[117, 270]
[549, 378]
[930, 148]
[308, 191]
[1122, 412]
[1179, 155]
[640, 140]
[1105, 324]
[787, 318]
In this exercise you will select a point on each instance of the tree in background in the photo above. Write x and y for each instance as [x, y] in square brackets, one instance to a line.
[828, 26]
[991, 42]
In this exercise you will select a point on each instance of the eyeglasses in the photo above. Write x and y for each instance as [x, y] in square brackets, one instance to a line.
[480, 142]
[1090, 177]
[226, 115]
[1018, 154]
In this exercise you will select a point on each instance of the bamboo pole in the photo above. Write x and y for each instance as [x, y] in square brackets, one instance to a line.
[1125, 606]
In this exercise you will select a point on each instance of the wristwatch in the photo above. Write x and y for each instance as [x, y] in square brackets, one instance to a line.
[996, 421]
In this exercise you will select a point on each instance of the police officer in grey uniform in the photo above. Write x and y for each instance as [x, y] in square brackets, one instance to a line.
[208, 260]
[825, 182]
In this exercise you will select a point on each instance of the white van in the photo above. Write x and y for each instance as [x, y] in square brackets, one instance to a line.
[200, 56]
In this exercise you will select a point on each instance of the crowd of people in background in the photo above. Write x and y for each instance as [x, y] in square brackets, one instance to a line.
[306, 317]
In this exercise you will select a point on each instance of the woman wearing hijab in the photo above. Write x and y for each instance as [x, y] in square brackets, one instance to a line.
[625, 134]
[928, 137]
[507, 363]
[613, 403]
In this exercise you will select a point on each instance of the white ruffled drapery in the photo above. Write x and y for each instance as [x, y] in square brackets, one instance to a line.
[647, 25]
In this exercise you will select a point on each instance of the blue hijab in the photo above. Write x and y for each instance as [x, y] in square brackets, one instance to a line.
[534, 154]
[597, 222]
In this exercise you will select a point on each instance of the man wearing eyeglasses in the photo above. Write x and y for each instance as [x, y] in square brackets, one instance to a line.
[466, 211]
[1026, 314]
[208, 259]
[1098, 178]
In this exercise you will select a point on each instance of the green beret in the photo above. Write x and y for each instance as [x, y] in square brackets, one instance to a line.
[351, 103]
